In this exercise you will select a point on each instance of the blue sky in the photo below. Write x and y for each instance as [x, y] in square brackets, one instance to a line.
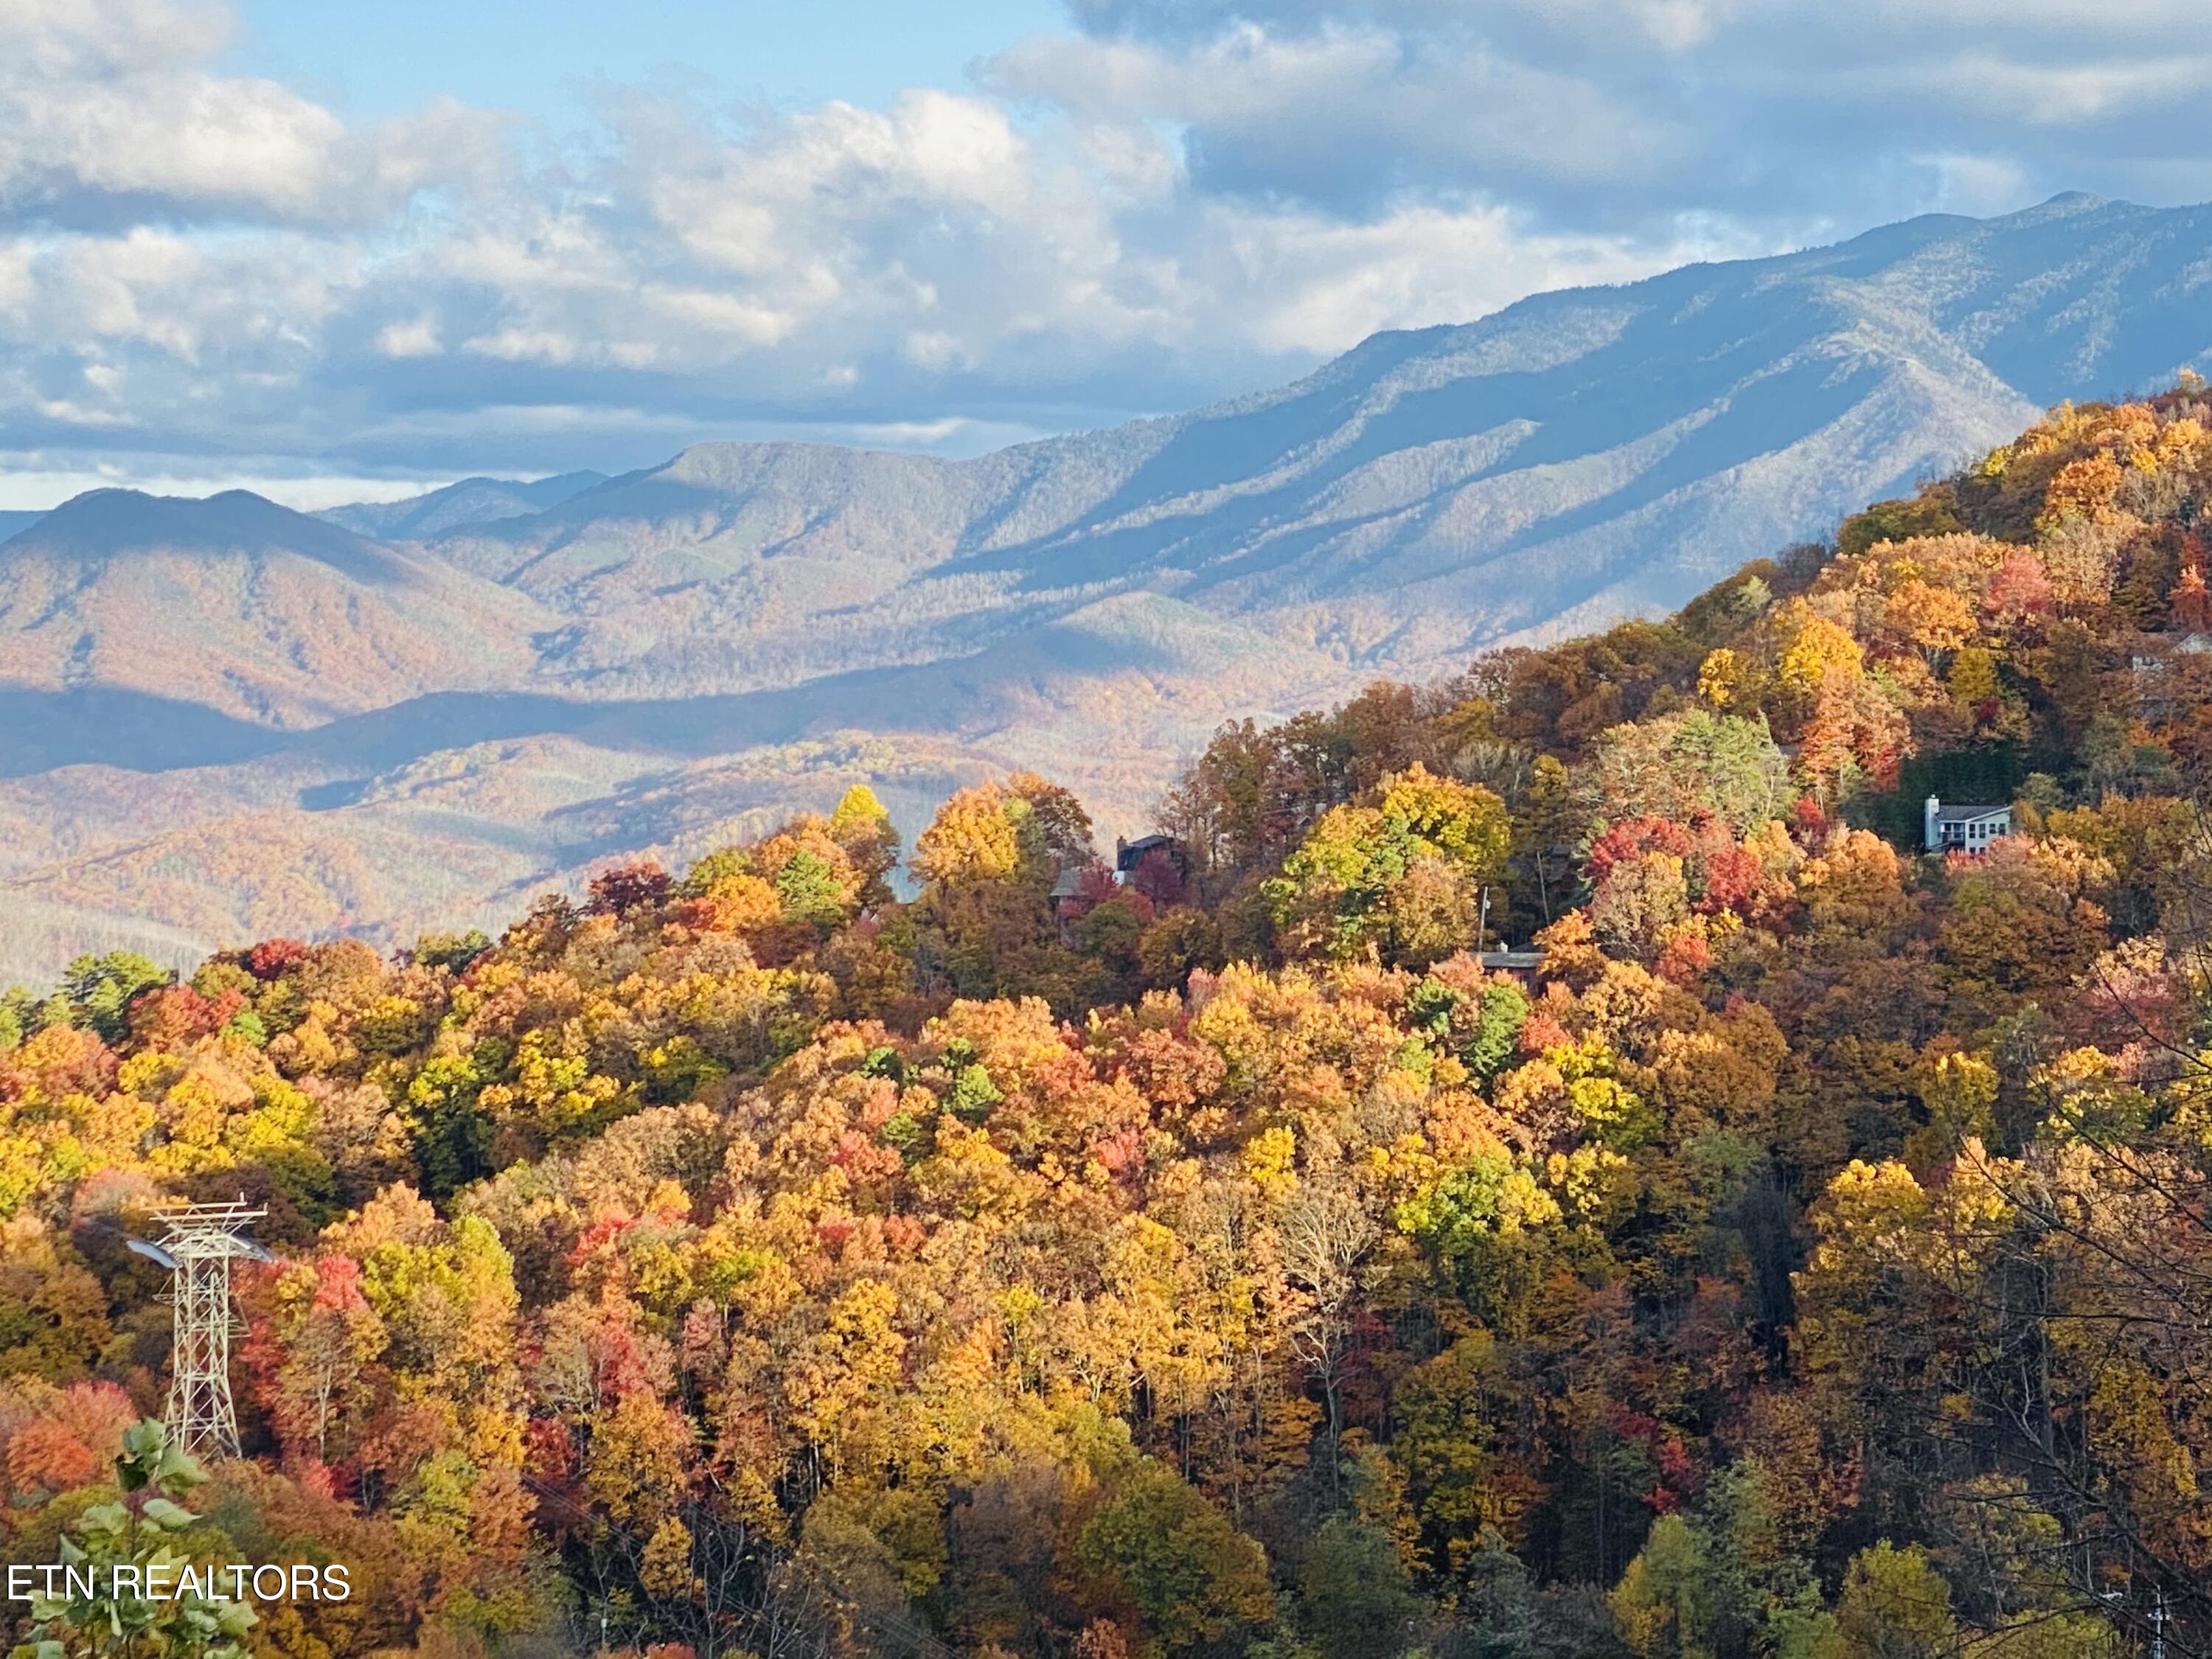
[381, 60]
[337, 250]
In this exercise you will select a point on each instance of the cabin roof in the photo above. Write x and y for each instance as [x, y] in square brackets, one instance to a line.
[1970, 812]
[1126, 853]
[1531, 957]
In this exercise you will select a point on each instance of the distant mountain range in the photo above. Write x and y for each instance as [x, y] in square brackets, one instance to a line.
[472, 500]
[231, 720]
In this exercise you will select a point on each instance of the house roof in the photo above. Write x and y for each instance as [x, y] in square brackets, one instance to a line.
[1068, 883]
[1531, 957]
[1971, 813]
[1128, 853]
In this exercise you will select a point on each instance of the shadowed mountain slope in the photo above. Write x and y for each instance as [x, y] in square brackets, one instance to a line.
[1576, 457]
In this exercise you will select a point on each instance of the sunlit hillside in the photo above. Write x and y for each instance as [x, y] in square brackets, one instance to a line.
[1795, 1245]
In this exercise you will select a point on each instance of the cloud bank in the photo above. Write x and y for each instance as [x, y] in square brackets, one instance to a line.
[207, 275]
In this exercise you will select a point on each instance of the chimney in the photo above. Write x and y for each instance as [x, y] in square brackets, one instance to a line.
[1931, 834]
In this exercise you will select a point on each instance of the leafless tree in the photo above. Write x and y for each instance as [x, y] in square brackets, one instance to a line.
[1327, 1234]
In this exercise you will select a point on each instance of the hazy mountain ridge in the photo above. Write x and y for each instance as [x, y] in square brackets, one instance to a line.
[244, 608]
[468, 501]
[1090, 605]
[1578, 453]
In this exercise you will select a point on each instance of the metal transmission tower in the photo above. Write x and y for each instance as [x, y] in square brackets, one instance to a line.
[198, 1244]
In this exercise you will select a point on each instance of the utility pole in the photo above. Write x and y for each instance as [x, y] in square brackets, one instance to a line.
[198, 1244]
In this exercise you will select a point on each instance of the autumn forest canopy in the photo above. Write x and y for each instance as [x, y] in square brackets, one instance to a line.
[1807, 1255]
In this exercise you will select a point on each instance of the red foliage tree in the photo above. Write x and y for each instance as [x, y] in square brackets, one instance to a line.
[269, 958]
[2192, 601]
[1158, 877]
[174, 1015]
[1630, 839]
[628, 887]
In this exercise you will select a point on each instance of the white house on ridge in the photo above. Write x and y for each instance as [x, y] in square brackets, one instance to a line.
[1967, 828]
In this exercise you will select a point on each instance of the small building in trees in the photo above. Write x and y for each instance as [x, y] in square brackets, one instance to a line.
[1071, 900]
[1128, 855]
[1523, 964]
[1968, 827]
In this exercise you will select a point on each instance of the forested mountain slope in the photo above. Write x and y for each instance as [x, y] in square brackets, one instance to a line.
[1593, 451]
[570, 655]
[1808, 1256]
[244, 610]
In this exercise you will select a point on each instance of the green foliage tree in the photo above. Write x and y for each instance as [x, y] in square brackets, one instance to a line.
[1400, 874]
[1353, 1588]
[1666, 1602]
[1193, 1576]
[148, 1533]
[1895, 1605]
[98, 989]
[1685, 764]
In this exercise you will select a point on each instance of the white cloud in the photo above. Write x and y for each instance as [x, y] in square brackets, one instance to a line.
[419, 337]
[111, 108]
[2055, 95]
[1343, 111]
[1976, 185]
[87, 37]
[1181, 199]
[1304, 279]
